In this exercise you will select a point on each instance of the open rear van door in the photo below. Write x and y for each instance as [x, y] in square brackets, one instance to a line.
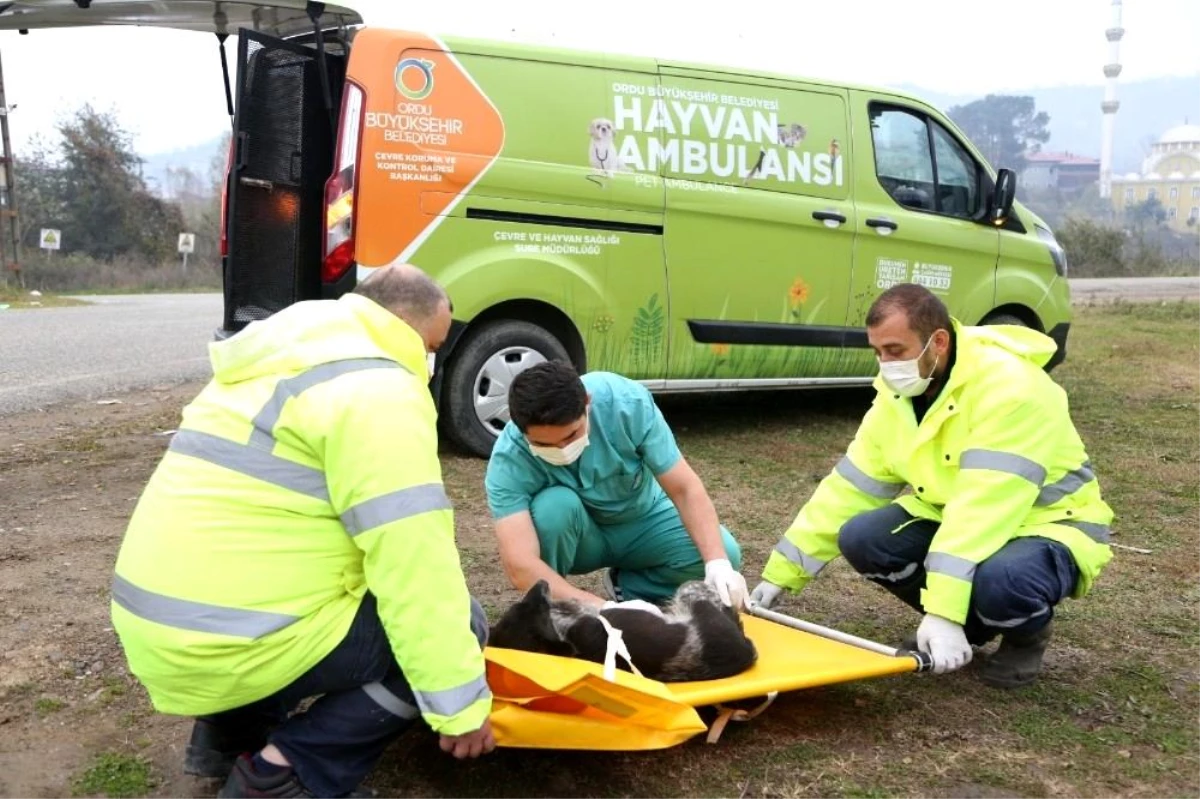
[291, 67]
[288, 102]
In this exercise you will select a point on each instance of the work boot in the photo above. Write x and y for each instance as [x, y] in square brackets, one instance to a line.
[244, 782]
[1018, 660]
[212, 749]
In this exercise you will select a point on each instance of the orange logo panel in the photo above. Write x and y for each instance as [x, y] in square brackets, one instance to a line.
[429, 132]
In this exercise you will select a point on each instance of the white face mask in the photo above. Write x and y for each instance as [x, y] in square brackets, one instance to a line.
[562, 456]
[431, 359]
[904, 377]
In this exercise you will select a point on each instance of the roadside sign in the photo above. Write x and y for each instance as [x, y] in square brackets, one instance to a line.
[51, 239]
[187, 242]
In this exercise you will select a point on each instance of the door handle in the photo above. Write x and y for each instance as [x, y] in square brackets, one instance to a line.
[885, 224]
[829, 216]
[256, 183]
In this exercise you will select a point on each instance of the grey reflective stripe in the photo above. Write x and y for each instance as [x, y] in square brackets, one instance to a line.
[1003, 462]
[264, 423]
[790, 551]
[895, 577]
[950, 566]
[864, 482]
[251, 462]
[1097, 532]
[389, 701]
[1011, 622]
[185, 614]
[1068, 484]
[395, 506]
[452, 701]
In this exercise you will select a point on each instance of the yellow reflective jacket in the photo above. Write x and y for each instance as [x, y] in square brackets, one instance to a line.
[996, 457]
[305, 473]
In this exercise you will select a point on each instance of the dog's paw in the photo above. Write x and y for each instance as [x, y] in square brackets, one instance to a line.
[696, 591]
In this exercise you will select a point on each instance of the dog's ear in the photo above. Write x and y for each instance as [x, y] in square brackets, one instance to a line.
[539, 593]
[592, 128]
[539, 608]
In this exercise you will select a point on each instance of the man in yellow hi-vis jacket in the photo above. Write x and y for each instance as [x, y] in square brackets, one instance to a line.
[1003, 518]
[296, 540]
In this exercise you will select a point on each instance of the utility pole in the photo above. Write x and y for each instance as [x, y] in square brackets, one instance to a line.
[10, 239]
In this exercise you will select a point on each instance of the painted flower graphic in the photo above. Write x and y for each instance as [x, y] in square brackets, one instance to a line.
[602, 324]
[720, 350]
[797, 295]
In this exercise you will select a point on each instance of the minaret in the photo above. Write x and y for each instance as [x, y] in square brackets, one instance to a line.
[1110, 105]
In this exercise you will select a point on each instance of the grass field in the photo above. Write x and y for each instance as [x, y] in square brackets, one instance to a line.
[1115, 713]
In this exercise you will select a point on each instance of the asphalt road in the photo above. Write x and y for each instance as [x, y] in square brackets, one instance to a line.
[125, 342]
[1136, 289]
[118, 342]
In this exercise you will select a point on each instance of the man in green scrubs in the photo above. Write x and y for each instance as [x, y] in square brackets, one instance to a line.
[587, 475]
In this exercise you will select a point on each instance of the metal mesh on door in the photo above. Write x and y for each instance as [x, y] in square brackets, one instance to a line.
[283, 156]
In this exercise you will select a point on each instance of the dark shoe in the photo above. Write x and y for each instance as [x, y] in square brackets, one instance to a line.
[611, 586]
[244, 782]
[1018, 660]
[211, 751]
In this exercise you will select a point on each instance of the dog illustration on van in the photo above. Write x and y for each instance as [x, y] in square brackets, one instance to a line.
[602, 147]
[791, 135]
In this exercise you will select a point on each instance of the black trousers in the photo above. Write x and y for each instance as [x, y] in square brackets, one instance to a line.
[1015, 590]
[365, 703]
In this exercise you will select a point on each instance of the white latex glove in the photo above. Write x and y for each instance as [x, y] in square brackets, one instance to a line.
[730, 585]
[945, 642]
[634, 604]
[765, 594]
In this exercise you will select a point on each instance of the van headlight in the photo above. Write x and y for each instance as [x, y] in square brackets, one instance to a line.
[1057, 253]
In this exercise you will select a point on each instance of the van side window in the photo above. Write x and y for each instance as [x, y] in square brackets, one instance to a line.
[922, 166]
[957, 175]
[903, 161]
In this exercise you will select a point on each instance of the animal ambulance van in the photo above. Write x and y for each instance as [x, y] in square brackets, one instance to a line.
[694, 227]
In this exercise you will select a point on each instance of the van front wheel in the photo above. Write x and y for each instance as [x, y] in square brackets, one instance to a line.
[1004, 319]
[480, 373]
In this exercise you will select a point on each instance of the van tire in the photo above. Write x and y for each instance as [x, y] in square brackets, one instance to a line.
[467, 377]
[1004, 319]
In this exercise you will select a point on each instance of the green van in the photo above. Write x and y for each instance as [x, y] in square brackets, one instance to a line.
[693, 227]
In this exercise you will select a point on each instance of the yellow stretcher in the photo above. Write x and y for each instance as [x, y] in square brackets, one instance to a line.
[543, 701]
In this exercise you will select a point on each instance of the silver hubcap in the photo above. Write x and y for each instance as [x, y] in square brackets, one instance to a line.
[493, 380]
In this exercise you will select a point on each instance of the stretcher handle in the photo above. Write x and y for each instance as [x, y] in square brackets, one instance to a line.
[924, 662]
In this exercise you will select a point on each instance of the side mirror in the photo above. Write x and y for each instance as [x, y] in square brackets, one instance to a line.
[1003, 196]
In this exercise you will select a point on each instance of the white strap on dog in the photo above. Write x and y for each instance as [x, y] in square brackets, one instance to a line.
[616, 646]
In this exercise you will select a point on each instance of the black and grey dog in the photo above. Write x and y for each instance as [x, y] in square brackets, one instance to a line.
[696, 638]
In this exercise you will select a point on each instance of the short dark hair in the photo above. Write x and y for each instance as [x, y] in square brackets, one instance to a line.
[548, 393]
[925, 312]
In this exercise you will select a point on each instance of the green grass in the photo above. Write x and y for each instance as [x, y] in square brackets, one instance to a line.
[23, 300]
[115, 775]
[1115, 713]
[47, 705]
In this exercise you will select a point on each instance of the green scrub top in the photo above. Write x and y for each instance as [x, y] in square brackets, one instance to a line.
[630, 444]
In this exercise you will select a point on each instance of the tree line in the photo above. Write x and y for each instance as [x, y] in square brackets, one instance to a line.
[86, 180]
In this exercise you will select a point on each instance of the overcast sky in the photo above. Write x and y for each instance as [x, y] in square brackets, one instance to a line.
[166, 85]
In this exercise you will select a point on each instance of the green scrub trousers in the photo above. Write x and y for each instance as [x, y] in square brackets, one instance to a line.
[653, 555]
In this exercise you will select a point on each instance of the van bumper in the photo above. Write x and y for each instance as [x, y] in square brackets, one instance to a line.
[1059, 334]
